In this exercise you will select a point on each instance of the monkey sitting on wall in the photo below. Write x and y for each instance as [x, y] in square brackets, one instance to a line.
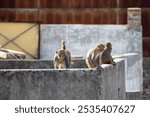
[93, 58]
[106, 57]
[62, 58]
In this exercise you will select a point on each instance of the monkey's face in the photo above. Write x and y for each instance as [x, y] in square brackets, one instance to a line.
[61, 54]
[100, 47]
[109, 46]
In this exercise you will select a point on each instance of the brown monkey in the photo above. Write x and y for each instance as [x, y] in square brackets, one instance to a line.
[93, 57]
[68, 54]
[106, 57]
[62, 58]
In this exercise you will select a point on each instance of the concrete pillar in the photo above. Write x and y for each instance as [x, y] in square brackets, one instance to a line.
[134, 18]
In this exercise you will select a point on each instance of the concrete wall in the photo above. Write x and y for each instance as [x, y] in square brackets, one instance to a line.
[108, 83]
[80, 38]
[146, 76]
[134, 75]
[37, 64]
[134, 71]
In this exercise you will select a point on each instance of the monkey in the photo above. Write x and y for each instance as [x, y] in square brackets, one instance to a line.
[68, 54]
[93, 56]
[62, 58]
[106, 57]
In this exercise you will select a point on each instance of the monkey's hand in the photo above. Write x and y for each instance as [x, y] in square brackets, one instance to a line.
[114, 63]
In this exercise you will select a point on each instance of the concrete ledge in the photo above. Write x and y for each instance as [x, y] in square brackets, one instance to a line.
[37, 64]
[107, 83]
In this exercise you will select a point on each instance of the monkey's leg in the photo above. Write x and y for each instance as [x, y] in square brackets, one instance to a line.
[106, 60]
[89, 63]
[56, 66]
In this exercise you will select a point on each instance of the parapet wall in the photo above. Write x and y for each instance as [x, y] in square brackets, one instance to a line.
[80, 38]
[107, 83]
[37, 64]
[133, 70]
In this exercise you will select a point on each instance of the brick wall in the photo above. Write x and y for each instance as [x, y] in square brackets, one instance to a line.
[81, 12]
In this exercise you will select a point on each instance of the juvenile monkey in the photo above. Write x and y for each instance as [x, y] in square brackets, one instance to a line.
[62, 58]
[93, 57]
[106, 57]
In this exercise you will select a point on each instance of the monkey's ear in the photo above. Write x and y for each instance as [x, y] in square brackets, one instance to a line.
[98, 45]
[102, 46]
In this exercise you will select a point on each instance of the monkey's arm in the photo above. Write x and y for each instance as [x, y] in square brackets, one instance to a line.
[68, 59]
[94, 59]
[55, 61]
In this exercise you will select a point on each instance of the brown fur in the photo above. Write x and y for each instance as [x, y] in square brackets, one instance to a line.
[62, 58]
[93, 57]
[106, 57]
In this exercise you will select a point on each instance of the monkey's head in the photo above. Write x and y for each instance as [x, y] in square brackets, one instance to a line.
[61, 54]
[100, 47]
[109, 46]
[62, 42]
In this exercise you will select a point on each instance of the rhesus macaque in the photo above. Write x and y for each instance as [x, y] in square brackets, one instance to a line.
[62, 58]
[63, 46]
[106, 57]
[93, 58]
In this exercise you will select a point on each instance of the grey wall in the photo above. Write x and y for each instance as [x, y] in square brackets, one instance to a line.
[80, 38]
[133, 68]
[37, 64]
[134, 71]
[107, 83]
[146, 75]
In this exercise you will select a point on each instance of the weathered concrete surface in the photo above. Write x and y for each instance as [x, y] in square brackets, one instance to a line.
[26, 64]
[133, 95]
[146, 80]
[134, 71]
[109, 83]
[80, 38]
[37, 64]
[134, 75]
[112, 80]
